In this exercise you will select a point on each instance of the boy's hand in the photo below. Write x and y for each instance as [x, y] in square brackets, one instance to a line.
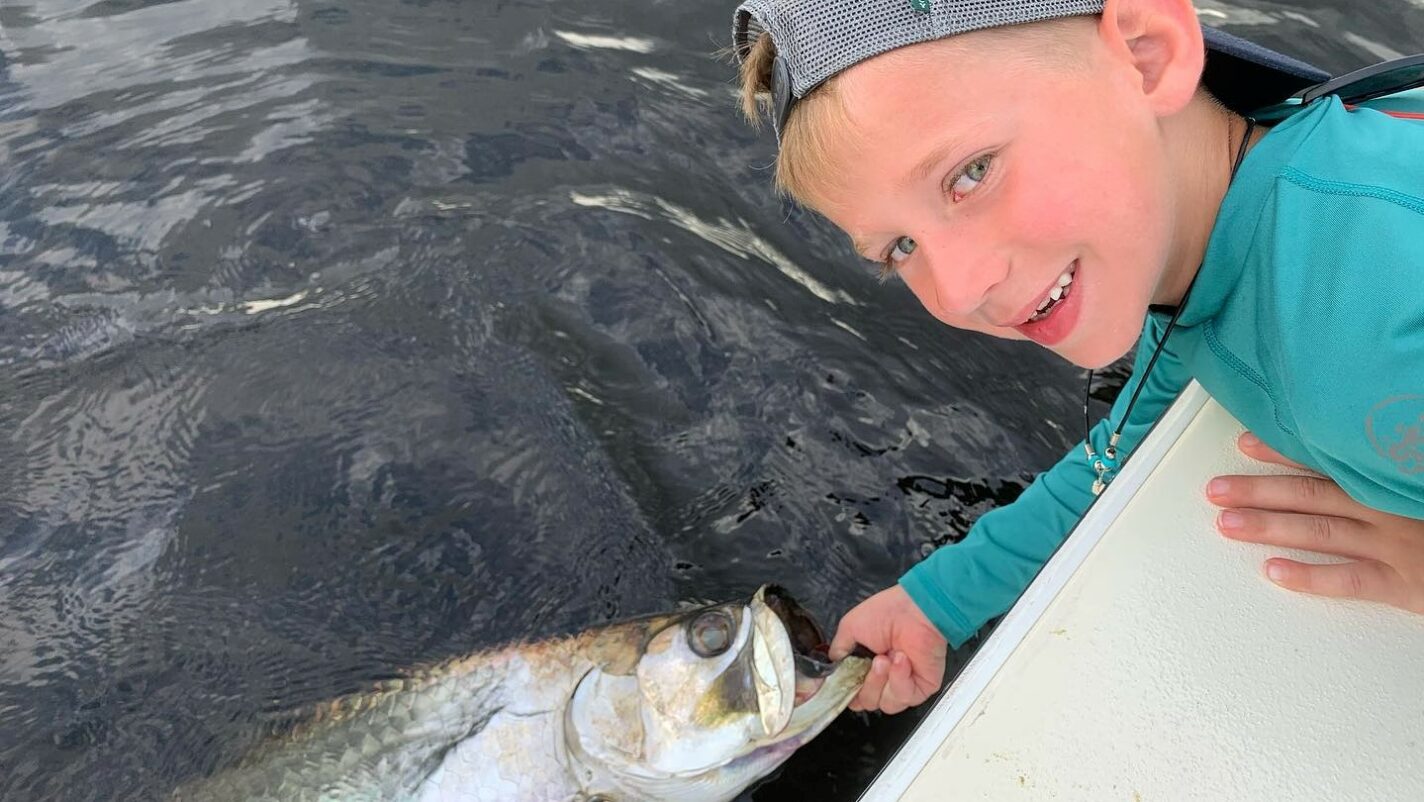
[909, 662]
[1313, 513]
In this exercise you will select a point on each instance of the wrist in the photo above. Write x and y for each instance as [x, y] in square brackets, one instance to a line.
[936, 608]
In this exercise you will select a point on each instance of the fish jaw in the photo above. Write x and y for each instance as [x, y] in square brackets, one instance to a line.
[827, 701]
[813, 702]
[808, 720]
[773, 667]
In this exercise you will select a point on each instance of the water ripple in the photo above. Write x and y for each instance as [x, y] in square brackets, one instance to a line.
[733, 237]
[341, 335]
[60, 56]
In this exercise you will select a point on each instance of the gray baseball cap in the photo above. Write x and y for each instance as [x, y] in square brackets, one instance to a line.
[816, 39]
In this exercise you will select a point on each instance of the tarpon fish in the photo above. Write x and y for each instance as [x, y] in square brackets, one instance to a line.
[692, 706]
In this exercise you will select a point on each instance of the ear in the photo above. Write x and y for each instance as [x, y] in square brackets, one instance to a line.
[1161, 40]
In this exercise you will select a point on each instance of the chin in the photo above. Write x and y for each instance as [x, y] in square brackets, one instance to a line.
[1099, 354]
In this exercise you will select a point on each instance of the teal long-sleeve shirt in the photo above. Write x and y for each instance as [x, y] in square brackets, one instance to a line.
[1306, 323]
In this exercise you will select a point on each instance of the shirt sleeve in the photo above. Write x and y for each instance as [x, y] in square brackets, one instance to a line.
[961, 586]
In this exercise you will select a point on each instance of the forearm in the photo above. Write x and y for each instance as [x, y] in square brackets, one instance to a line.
[960, 587]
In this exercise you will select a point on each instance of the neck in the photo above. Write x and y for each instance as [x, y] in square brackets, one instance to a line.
[1202, 142]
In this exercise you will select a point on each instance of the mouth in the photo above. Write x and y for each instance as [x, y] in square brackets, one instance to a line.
[1053, 317]
[810, 650]
[1056, 295]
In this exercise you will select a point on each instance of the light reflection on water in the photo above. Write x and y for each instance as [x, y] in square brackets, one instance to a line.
[340, 336]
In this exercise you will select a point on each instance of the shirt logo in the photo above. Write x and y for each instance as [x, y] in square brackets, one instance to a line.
[1396, 430]
[920, 6]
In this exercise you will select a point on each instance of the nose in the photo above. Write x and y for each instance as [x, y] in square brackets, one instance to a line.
[958, 273]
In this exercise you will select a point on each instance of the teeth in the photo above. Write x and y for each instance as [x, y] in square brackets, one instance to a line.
[1059, 291]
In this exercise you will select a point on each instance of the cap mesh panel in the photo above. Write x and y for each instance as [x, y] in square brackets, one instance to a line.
[819, 38]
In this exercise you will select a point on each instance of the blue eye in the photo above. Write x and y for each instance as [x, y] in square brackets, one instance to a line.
[968, 179]
[902, 249]
[899, 252]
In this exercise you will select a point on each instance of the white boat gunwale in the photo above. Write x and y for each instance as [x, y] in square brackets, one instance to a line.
[959, 698]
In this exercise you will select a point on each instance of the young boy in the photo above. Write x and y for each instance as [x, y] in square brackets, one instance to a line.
[1076, 173]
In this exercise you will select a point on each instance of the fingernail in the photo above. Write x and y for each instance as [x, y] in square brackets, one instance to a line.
[1218, 487]
[899, 658]
[1276, 572]
[1230, 519]
[1249, 440]
[880, 666]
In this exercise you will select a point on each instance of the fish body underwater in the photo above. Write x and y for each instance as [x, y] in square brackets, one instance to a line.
[686, 707]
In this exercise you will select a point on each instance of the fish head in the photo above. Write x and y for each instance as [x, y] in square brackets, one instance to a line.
[718, 697]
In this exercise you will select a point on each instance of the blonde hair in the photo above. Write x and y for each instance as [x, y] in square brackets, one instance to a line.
[803, 163]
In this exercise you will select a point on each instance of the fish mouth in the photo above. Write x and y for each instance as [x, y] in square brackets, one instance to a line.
[822, 688]
[809, 647]
[807, 641]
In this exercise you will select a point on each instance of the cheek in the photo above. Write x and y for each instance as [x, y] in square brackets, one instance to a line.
[922, 286]
[1049, 215]
[1104, 203]
[1064, 194]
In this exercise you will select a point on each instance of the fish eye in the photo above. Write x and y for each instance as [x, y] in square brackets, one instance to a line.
[710, 633]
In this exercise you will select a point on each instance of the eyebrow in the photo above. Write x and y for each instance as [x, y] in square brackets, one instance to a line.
[863, 248]
[931, 160]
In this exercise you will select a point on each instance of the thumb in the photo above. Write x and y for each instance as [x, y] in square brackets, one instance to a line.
[843, 643]
[854, 634]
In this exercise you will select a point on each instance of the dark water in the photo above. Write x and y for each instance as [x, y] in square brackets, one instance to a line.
[339, 336]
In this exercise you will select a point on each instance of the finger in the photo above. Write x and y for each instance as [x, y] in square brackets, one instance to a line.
[869, 696]
[1321, 533]
[891, 702]
[929, 675]
[1368, 580]
[1302, 494]
[1252, 447]
[889, 705]
[900, 685]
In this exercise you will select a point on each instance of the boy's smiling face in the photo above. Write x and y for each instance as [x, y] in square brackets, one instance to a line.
[986, 175]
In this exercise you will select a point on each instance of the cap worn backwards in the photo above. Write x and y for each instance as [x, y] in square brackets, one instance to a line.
[816, 39]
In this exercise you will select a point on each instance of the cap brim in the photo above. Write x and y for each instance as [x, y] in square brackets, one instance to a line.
[1246, 76]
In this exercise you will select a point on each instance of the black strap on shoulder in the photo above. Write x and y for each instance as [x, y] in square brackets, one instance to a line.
[1385, 78]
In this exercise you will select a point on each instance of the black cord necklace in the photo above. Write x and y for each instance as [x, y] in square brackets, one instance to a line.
[1105, 467]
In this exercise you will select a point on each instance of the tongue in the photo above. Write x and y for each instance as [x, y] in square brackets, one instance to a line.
[806, 687]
